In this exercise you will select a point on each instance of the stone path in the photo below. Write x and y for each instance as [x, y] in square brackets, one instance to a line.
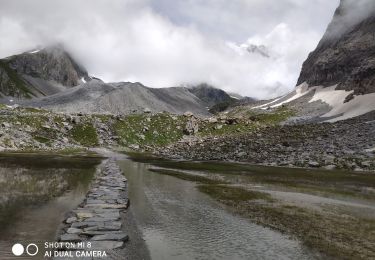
[98, 219]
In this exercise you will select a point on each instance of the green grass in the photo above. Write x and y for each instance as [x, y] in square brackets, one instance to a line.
[36, 121]
[159, 130]
[42, 139]
[85, 134]
[251, 120]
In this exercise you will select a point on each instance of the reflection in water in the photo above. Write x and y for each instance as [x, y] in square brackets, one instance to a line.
[179, 222]
[35, 193]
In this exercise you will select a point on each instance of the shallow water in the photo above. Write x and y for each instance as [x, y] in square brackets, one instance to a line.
[179, 222]
[35, 193]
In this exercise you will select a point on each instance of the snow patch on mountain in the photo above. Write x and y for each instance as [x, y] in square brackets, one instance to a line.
[301, 90]
[265, 106]
[360, 105]
[35, 51]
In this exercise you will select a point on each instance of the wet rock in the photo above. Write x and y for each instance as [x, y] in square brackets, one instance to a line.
[5, 124]
[134, 146]
[76, 120]
[330, 167]
[191, 127]
[218, 127]
[96, 232]
[74, 231]
[71, 220]
[188, 114]
[84, 214]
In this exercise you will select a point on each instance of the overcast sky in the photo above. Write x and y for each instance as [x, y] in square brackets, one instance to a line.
[164, 43]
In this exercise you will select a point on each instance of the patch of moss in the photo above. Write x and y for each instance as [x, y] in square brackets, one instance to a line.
[42, 139]
[210, 129]
[36, 121]
[85, 134]
[103, 118]
[159, 130]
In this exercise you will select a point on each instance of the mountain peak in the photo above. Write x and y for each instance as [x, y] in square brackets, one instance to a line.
[346, 54]
[40, 72]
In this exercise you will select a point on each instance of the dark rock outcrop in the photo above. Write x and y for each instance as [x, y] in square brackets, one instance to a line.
[40, 73]
[209, 95]
[346, 54]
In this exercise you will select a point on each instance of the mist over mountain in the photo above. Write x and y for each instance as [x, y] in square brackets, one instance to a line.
[40, 72]
[345, 55]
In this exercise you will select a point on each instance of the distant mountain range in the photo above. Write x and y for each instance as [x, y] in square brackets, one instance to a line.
[51, 78]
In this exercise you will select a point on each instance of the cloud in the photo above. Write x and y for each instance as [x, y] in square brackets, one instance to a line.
[350, 13]
[164, 43]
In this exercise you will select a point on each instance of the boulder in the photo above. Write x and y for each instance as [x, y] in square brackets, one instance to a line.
[191, 127]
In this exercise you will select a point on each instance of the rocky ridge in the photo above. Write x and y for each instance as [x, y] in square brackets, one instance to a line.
[346, 54]
[40, 73]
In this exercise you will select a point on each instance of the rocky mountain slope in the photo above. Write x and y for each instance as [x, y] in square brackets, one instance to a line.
[97, 97]
[209, 95]
[346, 54]
[40, 73]
[337, 80]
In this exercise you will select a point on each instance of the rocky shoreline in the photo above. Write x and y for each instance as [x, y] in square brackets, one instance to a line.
[346, 144]
[98, 220]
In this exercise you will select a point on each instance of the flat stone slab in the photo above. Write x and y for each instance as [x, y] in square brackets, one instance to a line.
[103, 219]
[106, 227]
[74, 231]
[94, 201]
[84, 224]
[94, 233]
[70, 220]
[84, 215]
[106, 206]
[111, 237]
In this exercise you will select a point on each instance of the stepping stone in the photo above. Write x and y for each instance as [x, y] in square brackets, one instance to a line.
[100, 219]
[106, 206]
[70, 238]
[84, 224]
[84, 214]
[93, 201]
[111, 237]
[109, 215]
[115, 226]
[94, 233]
[70, 220]
[74, 231]
[102, 211]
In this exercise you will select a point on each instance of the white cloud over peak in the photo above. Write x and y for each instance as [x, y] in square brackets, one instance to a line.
[143, 40]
